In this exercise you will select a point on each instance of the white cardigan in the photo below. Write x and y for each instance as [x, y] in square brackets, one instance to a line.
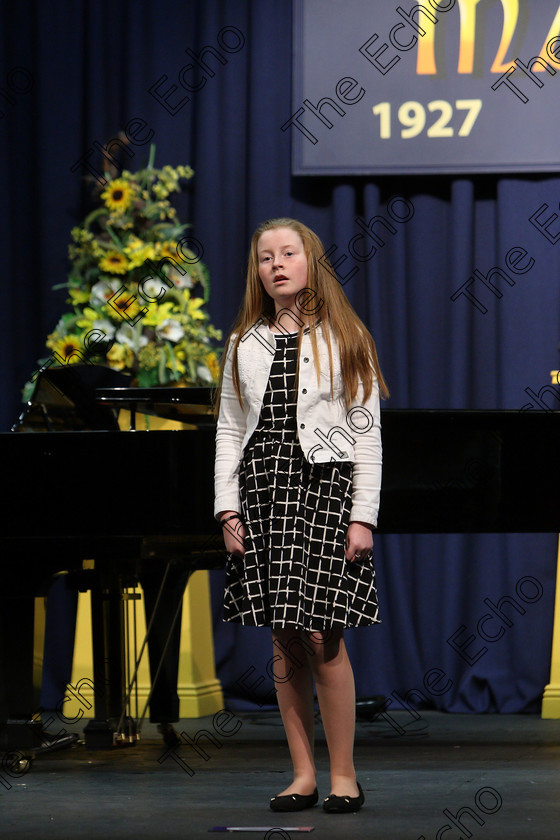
[326, 431]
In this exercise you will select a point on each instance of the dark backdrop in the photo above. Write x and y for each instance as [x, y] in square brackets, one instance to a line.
[91, 66]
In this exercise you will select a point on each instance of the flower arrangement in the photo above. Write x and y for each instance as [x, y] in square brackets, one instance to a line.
[144, 313]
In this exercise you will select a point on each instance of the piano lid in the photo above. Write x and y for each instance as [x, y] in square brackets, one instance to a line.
[64, 399]
[187, 405]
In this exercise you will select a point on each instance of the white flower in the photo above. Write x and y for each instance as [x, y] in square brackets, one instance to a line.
[170, 329]
[105, 326]
[60, 328]
[203, 373]
[151, 290]
[181, 281]
[103, 290]
[126, 334]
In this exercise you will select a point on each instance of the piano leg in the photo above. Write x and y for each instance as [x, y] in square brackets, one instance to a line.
[109, 655]
[108, 659]
[18, 694]
[164, 641]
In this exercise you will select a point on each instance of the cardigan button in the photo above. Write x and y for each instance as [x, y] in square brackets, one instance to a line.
[304, 391]
[306, 359]
[302, 425]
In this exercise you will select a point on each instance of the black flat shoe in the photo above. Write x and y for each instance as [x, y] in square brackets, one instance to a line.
[51, 742]
[294, 801]
[344, 804]
[169, 735]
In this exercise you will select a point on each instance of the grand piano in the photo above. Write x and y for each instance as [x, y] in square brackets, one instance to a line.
[75, 487]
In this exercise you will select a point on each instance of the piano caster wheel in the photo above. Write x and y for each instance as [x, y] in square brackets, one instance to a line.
[22, 766]
[16, 763]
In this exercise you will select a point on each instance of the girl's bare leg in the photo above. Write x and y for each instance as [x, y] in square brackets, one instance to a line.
[294, 686]
[334, 681]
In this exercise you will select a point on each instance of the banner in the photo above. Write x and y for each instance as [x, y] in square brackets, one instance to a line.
[443, 86]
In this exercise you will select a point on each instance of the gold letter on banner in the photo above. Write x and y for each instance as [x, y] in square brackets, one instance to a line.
[467, 16]
[511, 13]
[552, 33]
[426, 62]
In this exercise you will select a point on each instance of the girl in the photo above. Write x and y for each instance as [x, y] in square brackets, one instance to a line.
[297, 481]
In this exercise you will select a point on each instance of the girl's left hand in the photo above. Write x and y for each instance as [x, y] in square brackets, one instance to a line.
[359, 541]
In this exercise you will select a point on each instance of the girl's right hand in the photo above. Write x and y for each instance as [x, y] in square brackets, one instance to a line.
[234, 534]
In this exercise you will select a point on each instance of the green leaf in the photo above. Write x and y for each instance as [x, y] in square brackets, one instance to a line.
[192, 367]
[147, 378]
[114, 237]
[91, 273]
[161, 373]
[204, 280]
[171, 356]
[95, 214]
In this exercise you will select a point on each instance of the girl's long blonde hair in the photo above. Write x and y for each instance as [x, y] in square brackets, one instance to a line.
[325, 303]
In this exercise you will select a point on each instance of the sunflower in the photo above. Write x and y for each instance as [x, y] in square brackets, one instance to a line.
[66, 348]
[118, 195]
[123, 306]
[114, 262]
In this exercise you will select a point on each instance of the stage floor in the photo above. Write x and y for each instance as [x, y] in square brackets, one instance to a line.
[497, 775]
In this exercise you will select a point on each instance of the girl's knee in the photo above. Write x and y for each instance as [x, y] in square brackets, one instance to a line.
[326, 644]
[312, 647]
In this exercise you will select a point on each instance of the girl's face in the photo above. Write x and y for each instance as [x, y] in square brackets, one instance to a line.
[282, 266]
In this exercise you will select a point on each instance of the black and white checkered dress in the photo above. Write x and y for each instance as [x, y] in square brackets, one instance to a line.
[294, 572]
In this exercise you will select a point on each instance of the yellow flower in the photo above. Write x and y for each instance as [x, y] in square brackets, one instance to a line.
[120, 356]
[168, 249]
[169, 174]
[120, 221]
[114, 262]
[178, 365]
[138, 252]
[160, 191]
[194, 308]
[124, 308]
[97, 251]
[118, 195]
[80, 235]
[213, 365]
[66, 347]
[157, 314]
[89, 316]
[185, 171]
[78, 295]
[132, 244]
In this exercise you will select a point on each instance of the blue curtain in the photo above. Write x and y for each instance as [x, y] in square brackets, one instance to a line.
[75, 73]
